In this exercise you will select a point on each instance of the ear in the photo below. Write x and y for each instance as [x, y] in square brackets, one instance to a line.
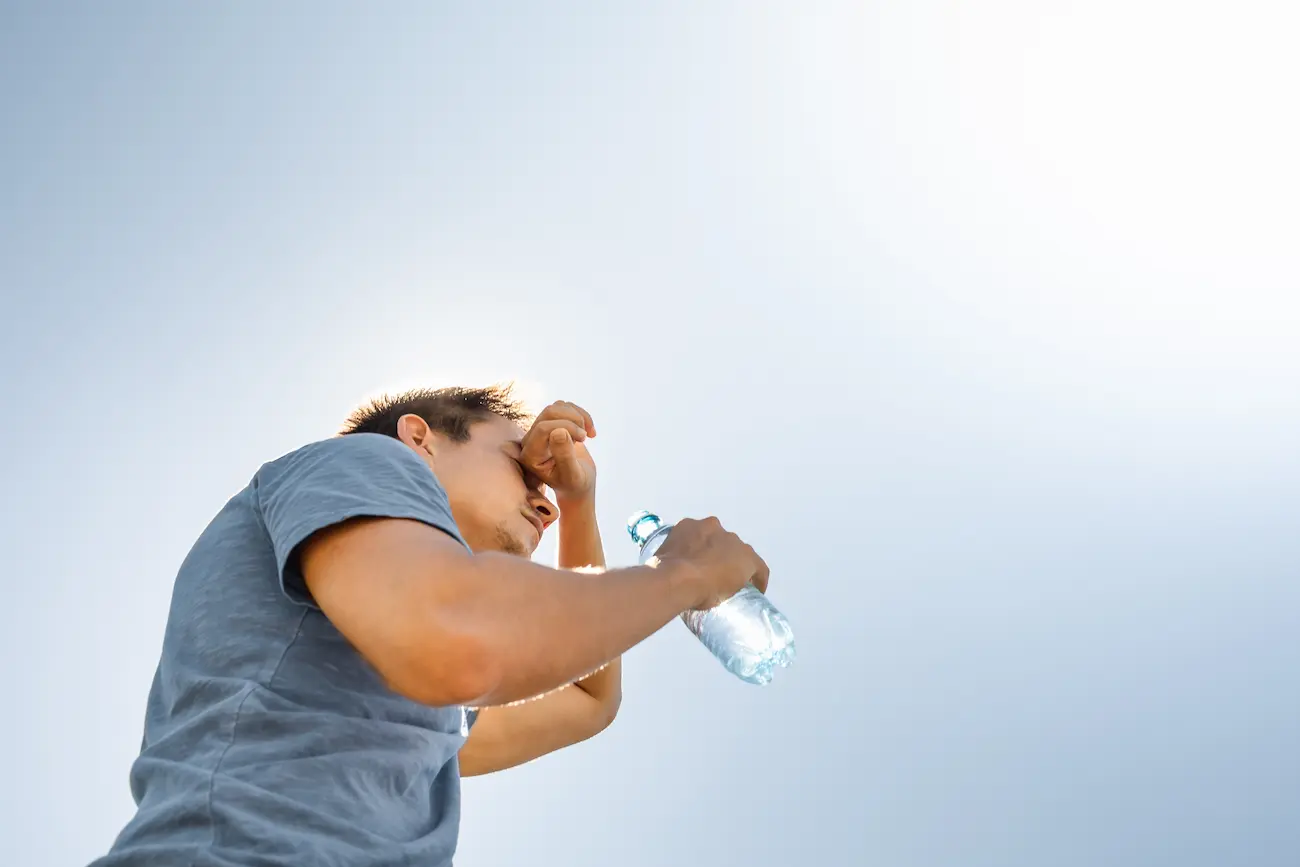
[416, 434]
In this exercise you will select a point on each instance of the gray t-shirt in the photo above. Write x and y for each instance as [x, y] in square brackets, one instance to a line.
[268, 739]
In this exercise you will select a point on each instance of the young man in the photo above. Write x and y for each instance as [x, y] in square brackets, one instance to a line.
[335, 624]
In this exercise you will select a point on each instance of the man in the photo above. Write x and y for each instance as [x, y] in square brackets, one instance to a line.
[335, 624]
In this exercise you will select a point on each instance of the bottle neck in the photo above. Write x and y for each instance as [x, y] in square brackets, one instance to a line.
[643, 525]
[651, 545]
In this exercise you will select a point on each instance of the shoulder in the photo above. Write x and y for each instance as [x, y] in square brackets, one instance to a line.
[353, 476]
[352, 449]
[355, 462]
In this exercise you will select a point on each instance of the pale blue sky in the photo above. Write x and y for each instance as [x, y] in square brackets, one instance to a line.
[981, 321]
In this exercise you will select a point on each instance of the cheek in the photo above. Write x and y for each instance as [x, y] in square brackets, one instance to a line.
[484, 490]
[509, 489]
[495, 494]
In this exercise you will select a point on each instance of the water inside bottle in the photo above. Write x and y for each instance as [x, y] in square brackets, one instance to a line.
[746, 633]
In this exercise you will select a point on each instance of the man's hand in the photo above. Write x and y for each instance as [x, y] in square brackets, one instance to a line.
[553, 451]
[507, 736]
[721, 561]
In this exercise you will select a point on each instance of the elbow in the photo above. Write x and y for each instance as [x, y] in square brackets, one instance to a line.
[608, 712]
[614, 702]
[591, 718]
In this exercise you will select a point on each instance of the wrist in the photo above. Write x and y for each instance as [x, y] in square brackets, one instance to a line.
[682, 579]
[576, 503]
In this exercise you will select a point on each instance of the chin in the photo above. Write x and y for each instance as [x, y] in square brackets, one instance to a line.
[512, 543]
[519, 549]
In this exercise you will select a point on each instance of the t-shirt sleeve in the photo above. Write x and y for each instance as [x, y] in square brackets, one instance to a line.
[327, 483]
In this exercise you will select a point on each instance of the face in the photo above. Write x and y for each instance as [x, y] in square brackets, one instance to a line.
[497, 504]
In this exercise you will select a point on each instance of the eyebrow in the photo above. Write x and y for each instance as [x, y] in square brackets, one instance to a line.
[530, 478]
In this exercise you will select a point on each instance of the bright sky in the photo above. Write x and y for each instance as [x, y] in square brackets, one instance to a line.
[981, 321]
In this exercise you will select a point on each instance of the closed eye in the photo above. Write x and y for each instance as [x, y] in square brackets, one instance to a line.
[530, 480]
[514, 452]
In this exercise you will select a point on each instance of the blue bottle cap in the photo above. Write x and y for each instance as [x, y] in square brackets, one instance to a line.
[642, 526]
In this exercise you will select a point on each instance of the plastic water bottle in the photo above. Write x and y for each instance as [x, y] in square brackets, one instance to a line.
[746, 633]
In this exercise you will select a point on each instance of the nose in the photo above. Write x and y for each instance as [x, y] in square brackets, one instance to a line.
[545, 509]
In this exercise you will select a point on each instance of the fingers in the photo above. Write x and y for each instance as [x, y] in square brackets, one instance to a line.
[761, 572]
[561, 443]
[565, 410]
[589, 422]
[546, 428]
[536, 444]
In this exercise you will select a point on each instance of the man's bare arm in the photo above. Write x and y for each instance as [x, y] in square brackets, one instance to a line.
[504, 737]
[446, 627]
[580, 548]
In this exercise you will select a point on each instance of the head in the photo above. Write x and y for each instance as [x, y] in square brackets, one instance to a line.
[470, 438]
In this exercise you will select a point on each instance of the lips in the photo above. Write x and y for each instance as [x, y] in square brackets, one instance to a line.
[537, 524]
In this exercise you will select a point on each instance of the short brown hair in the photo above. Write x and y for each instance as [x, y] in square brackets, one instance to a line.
[450, 411]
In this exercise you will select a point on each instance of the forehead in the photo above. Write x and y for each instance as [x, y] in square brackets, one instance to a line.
[496, 432]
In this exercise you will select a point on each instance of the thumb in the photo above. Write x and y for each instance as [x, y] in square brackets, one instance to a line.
[561, 446]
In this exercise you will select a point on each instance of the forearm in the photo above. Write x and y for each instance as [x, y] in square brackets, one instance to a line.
[580, 547]
[535, 629]
[514, 734]
[580, 544]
